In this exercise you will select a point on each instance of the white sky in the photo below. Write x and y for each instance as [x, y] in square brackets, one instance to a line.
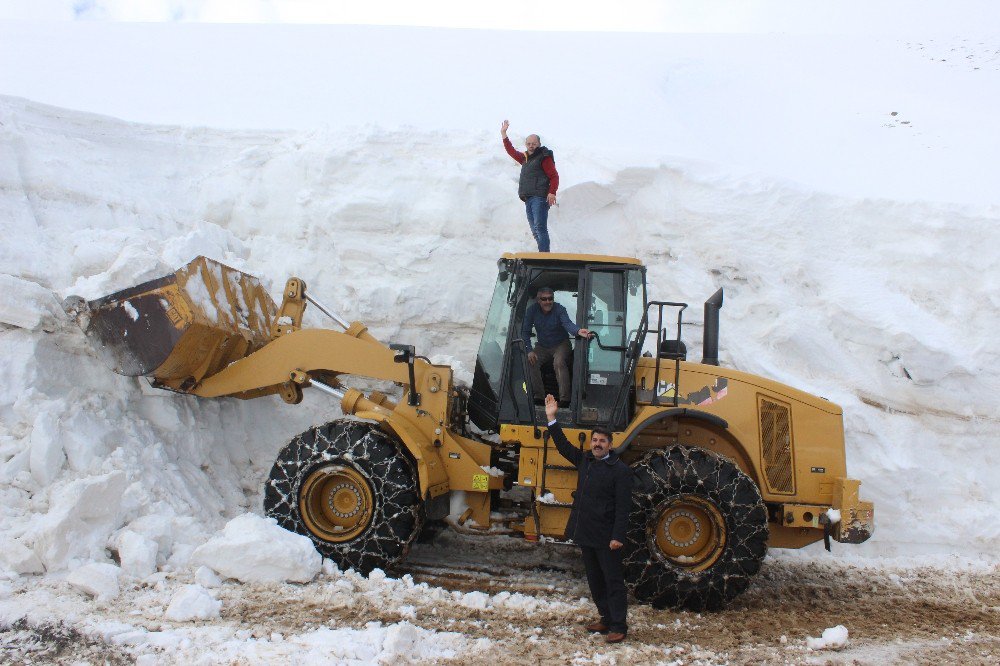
[700, 16]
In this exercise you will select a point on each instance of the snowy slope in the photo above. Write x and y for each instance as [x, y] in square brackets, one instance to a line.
[906, 111]
[885, 307]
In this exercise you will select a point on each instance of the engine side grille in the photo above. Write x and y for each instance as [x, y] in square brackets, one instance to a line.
[776, 442]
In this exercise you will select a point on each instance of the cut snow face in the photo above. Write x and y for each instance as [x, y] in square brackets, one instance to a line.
[851, 299]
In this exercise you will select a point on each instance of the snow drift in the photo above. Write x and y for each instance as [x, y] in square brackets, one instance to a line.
[885, 307]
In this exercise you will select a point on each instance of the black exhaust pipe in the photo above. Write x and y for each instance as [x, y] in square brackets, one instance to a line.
[710, 342]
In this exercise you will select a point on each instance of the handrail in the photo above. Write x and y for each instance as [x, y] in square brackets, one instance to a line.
[660, 339]
[529, 382]
[597, 336]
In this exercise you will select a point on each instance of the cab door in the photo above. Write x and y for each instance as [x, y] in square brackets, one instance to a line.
[613, 306]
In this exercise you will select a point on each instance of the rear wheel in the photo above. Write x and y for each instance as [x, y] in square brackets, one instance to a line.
[350, 488]
[697, 530]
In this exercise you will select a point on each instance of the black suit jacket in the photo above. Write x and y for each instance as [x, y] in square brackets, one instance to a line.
[603, 495]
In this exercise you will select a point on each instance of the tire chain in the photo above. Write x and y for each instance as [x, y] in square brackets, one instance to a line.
[396, 516]
[682, 470]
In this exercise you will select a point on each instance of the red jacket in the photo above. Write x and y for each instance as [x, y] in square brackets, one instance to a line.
[548, 165]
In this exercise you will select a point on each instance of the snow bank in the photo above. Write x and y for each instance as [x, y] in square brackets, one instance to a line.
[885, 307]
[255, 549]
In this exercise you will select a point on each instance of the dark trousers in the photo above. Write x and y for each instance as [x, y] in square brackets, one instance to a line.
[606, 577]
[560, 356]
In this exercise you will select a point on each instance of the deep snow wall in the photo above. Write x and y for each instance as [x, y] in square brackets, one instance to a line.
[887, 308]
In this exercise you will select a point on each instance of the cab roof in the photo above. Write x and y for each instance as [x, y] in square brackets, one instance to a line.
[553, 257]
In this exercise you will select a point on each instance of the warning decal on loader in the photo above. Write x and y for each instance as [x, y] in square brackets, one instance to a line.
[480, 482]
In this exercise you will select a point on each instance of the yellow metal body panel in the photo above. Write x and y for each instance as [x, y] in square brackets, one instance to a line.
[815, 434]
[857, 518]
[802, 515]
[306, 350]
[812, 443]
[535, 454]
[445, 461]
[585, 258]
[216, 325]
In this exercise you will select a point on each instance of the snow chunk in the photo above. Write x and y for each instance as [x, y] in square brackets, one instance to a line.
[16, 557]
[82, 516]
[254, 549]
[475, 599]
[547, 498]
[137, 554]
[192, 602]
[130, 309]
[98, 579]
[492, 471]
[26, 304]
[377, 644]
[207, 578]
[833, 638]
[833, 515]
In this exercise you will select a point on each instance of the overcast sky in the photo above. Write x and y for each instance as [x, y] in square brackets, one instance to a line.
[889, 17]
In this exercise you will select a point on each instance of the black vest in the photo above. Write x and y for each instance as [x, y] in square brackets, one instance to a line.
[534, 182]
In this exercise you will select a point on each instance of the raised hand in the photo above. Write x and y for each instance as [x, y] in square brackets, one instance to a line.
[503, 128]
[551, 407]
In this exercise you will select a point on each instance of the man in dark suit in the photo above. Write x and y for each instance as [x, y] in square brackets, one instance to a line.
[598, 520]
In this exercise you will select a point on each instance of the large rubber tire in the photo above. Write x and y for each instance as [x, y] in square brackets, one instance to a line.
[714, 510]
[381, 472]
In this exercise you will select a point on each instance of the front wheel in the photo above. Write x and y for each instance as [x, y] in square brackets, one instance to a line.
[351, 489]
[697, 530]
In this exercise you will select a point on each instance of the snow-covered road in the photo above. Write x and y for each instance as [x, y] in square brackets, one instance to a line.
[470, 599]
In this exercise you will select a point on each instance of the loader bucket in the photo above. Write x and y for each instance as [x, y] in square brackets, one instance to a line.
[182, 327]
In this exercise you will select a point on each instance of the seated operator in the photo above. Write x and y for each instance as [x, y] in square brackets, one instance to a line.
[553, 327]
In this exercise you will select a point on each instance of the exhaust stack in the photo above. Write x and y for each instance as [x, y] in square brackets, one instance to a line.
[710, 342]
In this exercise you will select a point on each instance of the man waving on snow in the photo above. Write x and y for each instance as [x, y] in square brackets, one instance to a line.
[537, 185]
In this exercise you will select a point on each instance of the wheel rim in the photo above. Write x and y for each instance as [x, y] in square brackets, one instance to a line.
[336, 503]
[689, 532]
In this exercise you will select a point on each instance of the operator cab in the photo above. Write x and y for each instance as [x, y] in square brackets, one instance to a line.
[606, 295]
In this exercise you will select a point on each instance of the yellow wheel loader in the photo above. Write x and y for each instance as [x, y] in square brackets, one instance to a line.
[726, 464]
